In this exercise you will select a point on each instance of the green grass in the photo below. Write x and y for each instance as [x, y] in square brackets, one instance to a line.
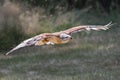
[81, 60]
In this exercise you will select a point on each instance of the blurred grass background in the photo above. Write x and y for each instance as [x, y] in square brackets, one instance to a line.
[89, 56]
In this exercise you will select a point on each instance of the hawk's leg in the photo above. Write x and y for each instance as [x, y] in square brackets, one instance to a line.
[50, 43]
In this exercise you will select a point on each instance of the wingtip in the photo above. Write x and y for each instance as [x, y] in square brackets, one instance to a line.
[8, 52]
[110, 24]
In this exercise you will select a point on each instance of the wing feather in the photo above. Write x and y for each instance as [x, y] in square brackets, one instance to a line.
[31, 41]
[88, 28]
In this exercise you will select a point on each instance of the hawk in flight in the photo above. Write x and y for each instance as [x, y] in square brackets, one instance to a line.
[61, 37]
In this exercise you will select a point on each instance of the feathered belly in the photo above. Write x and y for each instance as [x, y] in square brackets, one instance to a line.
[53, 40]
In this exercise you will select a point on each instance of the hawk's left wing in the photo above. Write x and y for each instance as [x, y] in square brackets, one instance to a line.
[87, 27]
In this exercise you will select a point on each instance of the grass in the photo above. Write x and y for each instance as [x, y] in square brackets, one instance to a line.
[89, 56]
[82, 60]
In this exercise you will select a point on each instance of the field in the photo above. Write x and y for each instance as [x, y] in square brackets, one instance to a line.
[85, 58]
[89, 56]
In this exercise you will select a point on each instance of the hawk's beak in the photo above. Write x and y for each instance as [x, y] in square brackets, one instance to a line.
[17, 47]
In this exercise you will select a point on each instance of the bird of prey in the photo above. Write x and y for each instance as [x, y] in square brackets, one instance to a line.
[61, 37]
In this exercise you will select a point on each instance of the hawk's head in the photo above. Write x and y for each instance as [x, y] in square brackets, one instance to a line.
[65, 38]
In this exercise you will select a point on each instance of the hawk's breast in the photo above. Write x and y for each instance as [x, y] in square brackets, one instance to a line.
[52, 39]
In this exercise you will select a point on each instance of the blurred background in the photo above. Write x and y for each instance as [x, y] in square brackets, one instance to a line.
[89, 56]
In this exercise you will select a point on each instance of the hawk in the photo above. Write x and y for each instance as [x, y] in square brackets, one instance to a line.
[61, 37]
